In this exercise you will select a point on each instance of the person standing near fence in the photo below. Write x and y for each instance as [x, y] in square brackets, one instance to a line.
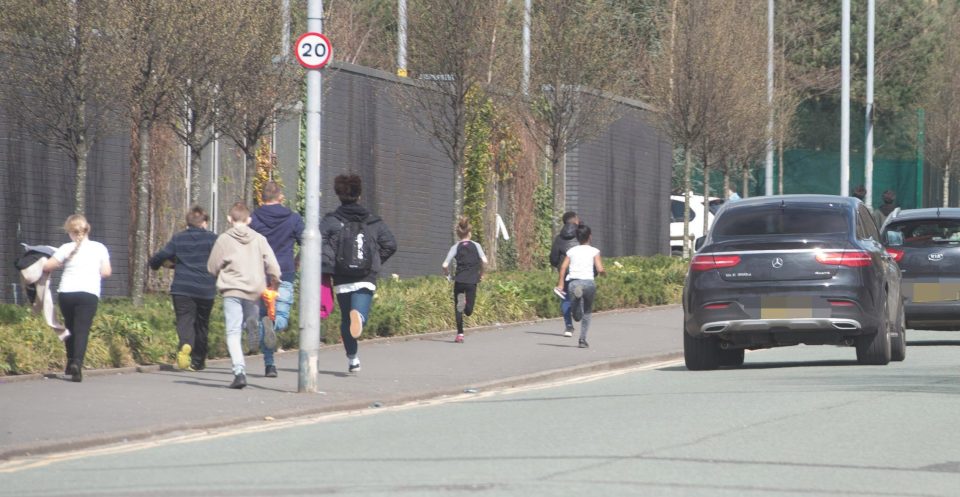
[470, 261]
[282, 228]
[580, 265]
[193, 288]
[85, 263]
[244, 265]
[356, 243]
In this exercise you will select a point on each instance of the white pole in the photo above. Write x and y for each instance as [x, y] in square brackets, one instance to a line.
[525, 84]
[310, 269]
[768, 177]
[868, 142]
[402, 38]
[214, 183]
[845, 100]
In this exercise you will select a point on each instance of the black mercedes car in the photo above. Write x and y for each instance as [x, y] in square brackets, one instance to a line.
[926, 245]
[787, 270]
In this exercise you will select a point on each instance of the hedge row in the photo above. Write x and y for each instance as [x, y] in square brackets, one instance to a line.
[124, 335]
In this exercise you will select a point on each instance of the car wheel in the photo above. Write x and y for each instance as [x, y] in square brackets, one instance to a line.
[731, 357]
[701, 354]
[898, 338]
[875, 348]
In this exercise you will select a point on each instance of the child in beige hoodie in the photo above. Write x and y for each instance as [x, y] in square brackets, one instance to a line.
[244, 265]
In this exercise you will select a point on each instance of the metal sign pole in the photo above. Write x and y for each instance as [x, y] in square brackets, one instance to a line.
[310, 268]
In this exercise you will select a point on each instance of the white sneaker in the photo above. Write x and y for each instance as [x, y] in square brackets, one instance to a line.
[353, 365]
[560, 293]
[567, 334]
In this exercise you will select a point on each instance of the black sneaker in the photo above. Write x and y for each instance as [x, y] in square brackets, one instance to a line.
[577, 303]
[269, 333]
[584, 344]
[198, 365]
[239, 381]
[271, 371]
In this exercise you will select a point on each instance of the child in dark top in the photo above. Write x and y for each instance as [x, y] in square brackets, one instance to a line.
[193, 288]
[470, 262]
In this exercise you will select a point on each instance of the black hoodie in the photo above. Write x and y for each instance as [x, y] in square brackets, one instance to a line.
[282, 228]
[331, 224]
[565, 240]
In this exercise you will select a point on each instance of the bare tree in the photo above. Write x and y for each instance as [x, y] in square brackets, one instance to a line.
[196, 86]
[692, 74]
[253, 93]
[580, 47]
[58, 75]
[449, 57]
[153, 51]
[943, 104]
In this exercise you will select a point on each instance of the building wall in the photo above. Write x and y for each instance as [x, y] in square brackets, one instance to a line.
[36, 196]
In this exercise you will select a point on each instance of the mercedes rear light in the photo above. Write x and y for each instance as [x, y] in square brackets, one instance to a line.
[707, 262]
[848, 258]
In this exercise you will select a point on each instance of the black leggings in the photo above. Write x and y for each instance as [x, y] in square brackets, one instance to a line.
[470, 290]
[78, 309]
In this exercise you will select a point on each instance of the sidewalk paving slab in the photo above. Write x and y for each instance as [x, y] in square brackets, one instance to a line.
[46, 415]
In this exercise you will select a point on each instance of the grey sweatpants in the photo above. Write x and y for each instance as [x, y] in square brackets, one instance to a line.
[589, 293]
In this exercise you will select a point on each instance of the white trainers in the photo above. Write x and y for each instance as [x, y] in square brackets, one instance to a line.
[353, 365]
[560, 293]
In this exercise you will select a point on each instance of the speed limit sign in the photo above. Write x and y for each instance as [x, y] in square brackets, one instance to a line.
[313, 50]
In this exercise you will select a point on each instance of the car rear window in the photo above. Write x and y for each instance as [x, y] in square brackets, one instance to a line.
[776, 220]
[928, 232]
[676, 212]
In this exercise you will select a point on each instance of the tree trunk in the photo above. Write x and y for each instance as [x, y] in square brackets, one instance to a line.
[558, 166]
[706, 198]
[80, 204]
[726, 180]
[746, 182]
[196, 159]
[780, 169]
[687, 168]
[143, 208]
[946, 185]
[490, 209]
[250, 172]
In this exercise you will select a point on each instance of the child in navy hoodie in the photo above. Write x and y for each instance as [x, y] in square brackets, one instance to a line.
[282, 228]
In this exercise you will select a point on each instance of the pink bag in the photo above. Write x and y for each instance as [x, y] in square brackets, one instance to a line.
[326, 296]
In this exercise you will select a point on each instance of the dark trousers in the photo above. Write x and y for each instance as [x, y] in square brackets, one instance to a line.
[193, 323]
[470, 291]
[78, 309]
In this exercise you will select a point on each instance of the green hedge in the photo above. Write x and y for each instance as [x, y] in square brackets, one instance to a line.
[124, 335]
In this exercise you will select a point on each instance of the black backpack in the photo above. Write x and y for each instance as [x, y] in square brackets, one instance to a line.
[356, 248]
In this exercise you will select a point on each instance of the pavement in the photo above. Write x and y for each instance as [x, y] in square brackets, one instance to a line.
[44, 414]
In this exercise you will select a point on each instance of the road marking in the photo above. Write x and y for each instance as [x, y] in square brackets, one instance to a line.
[26, 463]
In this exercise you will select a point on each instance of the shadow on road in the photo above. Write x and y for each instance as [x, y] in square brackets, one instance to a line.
[933, 343]
[544, 333]
[773, 365]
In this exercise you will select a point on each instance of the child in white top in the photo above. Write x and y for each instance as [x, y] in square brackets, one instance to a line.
[579, 266]
[85, 262]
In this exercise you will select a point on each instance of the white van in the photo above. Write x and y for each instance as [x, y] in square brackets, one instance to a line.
[697, 210]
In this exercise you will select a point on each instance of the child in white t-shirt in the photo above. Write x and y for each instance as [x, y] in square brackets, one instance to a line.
[579, 266]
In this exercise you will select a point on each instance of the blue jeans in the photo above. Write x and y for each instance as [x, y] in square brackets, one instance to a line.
[359, 300]
[283, 305]
[566, 307]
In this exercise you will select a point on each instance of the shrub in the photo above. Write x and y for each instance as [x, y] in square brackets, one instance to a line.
[124, 335]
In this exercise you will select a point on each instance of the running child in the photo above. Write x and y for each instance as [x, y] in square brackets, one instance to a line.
[579, 265]
[470, 263]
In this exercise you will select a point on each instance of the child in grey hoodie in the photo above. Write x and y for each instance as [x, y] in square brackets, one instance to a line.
[244, 265]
